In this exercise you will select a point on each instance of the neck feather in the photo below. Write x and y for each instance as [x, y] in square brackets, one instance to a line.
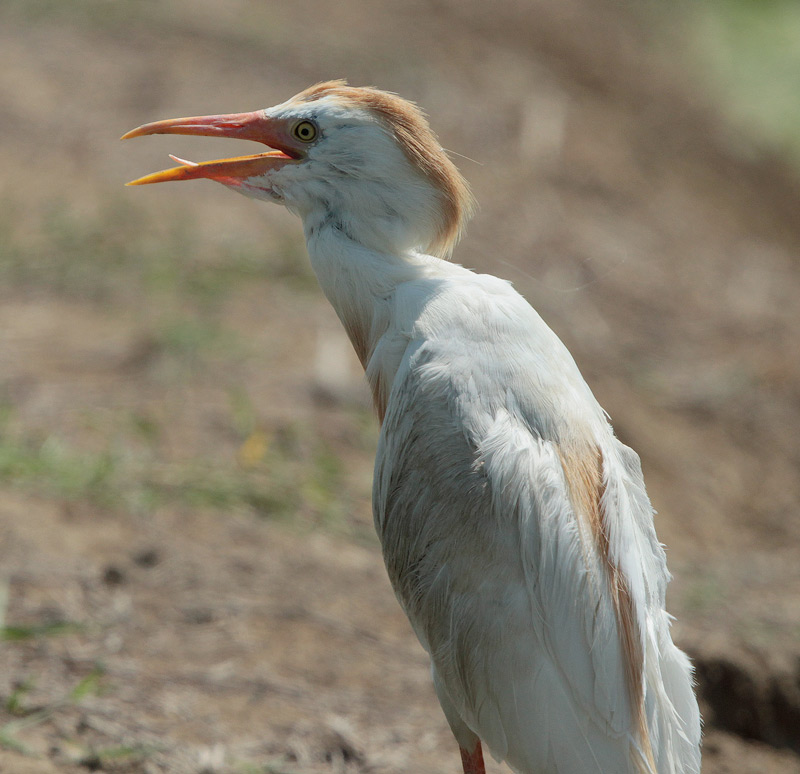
[360, 282]
[357, 281]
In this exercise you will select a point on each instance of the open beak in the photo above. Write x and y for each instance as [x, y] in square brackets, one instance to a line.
[234, 171]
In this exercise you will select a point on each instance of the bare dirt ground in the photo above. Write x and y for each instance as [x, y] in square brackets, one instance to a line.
[188, 577]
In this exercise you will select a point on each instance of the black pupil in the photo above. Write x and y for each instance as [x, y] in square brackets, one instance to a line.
[305, 131]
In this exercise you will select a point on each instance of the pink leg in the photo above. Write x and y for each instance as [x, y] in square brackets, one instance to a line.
[473, 761]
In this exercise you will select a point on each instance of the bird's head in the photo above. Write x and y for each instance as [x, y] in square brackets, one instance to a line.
[362, 160]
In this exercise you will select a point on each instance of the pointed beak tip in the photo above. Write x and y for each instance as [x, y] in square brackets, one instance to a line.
[165, 175]
[131, 134]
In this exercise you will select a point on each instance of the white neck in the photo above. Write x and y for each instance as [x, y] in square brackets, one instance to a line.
[359, 282]
[356, 280]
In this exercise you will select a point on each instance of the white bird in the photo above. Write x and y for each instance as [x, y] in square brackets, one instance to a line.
[515, 527]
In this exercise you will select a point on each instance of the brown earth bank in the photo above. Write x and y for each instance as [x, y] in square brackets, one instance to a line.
[188, 576]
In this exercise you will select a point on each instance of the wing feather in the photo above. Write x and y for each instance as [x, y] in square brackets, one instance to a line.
[498, 569]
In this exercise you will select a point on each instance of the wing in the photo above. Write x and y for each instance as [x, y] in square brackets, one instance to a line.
[491, 483]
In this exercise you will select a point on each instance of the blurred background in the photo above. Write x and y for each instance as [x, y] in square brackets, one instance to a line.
[189, 580]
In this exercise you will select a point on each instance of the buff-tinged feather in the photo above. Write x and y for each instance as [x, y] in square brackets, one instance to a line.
[583, 471]
[410, 128]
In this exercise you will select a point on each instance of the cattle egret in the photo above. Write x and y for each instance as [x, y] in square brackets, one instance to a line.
[515, 527]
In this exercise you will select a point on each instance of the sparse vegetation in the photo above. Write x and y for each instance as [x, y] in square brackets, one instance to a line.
[28, 717]
[271, 477]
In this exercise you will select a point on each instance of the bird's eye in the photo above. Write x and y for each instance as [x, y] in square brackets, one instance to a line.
[305, 131]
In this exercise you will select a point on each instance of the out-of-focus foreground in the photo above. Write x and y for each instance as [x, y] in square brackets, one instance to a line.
[188, 576]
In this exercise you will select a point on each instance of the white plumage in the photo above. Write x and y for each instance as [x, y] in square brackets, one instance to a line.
[515, 527]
